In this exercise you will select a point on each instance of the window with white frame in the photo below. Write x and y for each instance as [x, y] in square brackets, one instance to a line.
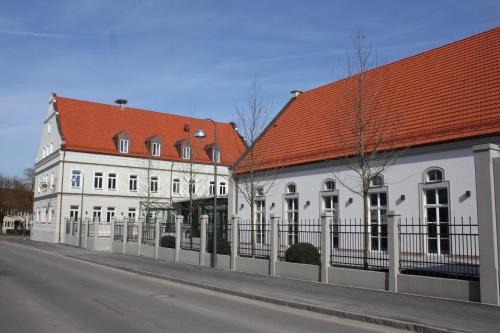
[329, 204]
[176, 185]
[378, 220]
[192, 186]
[377, 181]
[222, 188]
[131, 214]
[434, 175]
[97, 214]
[98, 180]
[112, 181]
[259, 191]
[260, 220]
[155, 148]
[132, 183]
[186, 152]
[328, 185]
[292, 214]
[73, 212]
[124, 146]
[49, 128]
[437, 217]
[291, 189]
[76, 177]
[211, 188]
[153, 184]
[110, 214]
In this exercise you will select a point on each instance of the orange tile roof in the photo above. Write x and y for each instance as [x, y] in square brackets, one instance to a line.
[449, 93]
[91, 127]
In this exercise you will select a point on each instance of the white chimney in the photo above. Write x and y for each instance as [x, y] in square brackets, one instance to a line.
[295, 93]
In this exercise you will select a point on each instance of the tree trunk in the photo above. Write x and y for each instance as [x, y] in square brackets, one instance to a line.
[366, 234]
[252, 223]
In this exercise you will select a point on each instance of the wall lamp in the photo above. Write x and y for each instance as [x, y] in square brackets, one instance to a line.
[350, 200]
[467, 194]
[308, 203]
[402, 197]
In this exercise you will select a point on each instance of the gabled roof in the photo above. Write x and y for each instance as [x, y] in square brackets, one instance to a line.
[445, 94]
[91, 127]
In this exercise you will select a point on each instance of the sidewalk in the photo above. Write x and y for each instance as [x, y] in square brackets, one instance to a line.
[422, 314]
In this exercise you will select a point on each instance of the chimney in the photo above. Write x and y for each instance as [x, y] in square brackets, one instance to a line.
[121, 102]
[295, 93]
[235, 127]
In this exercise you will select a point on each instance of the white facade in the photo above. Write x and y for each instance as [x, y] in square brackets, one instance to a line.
[59, 192]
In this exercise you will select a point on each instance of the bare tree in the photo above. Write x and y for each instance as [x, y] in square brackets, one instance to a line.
[252, 117]
[29, 178]
[14, 196]
[147, 190]
[370, 141]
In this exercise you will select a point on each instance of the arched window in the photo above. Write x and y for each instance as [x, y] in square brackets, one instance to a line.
[434, 175]
[328, 185]
[291, 188]
[377, 181]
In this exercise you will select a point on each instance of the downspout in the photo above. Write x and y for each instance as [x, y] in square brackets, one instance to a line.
[60, 200]
[171, 182]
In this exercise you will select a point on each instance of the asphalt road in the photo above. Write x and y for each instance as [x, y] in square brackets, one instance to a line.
[42, 292]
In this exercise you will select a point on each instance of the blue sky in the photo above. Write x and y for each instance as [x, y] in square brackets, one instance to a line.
[165, 55]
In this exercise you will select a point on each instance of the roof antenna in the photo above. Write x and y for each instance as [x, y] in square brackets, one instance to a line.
[121, 102]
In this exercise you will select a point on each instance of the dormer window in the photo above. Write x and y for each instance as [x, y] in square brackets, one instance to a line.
[377, 181]
[155, 145]
[122, 142]
[124, 146]
[434, 175]
[186, 152]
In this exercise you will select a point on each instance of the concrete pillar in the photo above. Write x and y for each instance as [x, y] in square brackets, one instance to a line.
[178, 222]
[488, 223]
[111, 235]
[125, 235]
[326, 222]
[70, 232]
[393, 219]
[235, 220]
[203, 238]
[139, 237]
[273, 255]
[96, 234]
[157, 237]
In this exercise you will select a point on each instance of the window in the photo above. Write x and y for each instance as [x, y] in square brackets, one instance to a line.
[186, 152]
[76, 176]
[330, 203]
[176, 185]
[73, 213]
[98, 181]
[436, 211]
[212, 188]
[291, 189]
[110, 214]
[260, 217]
[192, 186]
[259, 191]
[292, 214]
[329, 185]
[434, 175]
[123, 146]
[155, 148]
[216, 155]
[377, 181]
[112, 181]
[131, 214]
[96, 214]
[378, 221]
[222, 188]
[132, 183]
[49, 128]
[153, 186]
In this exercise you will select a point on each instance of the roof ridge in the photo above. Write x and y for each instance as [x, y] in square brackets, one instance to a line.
[462, 40]
[140, 109]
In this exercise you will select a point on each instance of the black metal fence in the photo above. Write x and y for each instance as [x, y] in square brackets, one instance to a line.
[118, 231]
[306, 231]
[132, 232]
[148, 233]
[355, 246]
[448, 249]
[254, 240]
[167, 234]
[189, 240]
[223, 238]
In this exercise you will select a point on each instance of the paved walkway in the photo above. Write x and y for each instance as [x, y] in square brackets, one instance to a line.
[417, 313]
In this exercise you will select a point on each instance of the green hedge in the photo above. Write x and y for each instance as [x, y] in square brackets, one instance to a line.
[223, 246]
[168, 241]
[303, 253]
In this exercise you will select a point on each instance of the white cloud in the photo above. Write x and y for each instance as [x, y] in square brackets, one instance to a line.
[33, 34]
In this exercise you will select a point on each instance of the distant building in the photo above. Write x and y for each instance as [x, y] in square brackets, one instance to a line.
[103, 162]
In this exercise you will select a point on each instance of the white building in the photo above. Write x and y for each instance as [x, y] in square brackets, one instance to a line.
[439, 104]
[101, 162]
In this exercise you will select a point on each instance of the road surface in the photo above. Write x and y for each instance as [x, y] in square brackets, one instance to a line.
[43, 292]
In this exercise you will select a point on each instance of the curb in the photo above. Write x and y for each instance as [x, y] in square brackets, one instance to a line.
[393, 323]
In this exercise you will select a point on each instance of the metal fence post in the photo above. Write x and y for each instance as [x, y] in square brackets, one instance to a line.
[235, 219]
[125, 235]
[393, 217]
[70, 232]
[203, 238]
[111, 235]
[139, 237]
[326, 222]
[96, 234]
[157, 237]
[178, 222]
[273, 255]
